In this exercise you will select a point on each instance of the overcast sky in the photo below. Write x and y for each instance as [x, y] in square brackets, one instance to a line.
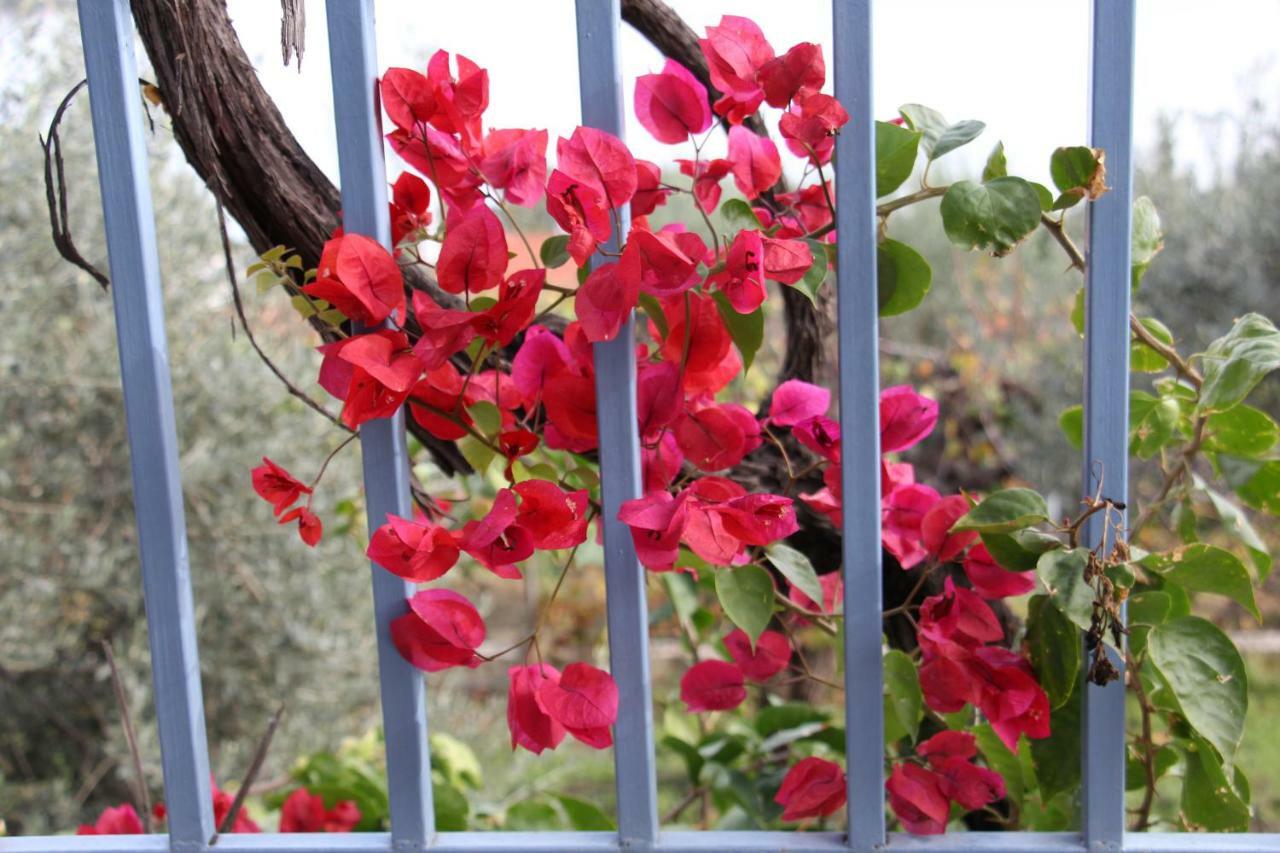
[1018, 65]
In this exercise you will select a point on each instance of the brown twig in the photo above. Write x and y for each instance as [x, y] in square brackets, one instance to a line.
[255, 766]
[55, 188]
[244, 324]
[140, 780]
[1143, 819]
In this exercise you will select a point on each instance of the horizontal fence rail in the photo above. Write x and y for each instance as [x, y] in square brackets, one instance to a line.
[107, 33]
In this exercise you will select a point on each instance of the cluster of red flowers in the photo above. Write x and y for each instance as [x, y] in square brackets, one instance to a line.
[921, 796]
[302, 811]
[546, 397]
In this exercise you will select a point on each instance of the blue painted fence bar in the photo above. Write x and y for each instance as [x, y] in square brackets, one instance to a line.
[354, 65]
[858, 309]
[106, 28]
[107, 32]
[600, 86]
[1106, 385]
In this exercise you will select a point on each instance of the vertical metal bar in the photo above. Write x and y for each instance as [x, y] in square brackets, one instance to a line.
[600, 82]
[353, 64]
[1106, 384]
[106, 29]
[860, 423]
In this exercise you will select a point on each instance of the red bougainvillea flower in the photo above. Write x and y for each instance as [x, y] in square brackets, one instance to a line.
[438, 403]
[114, 820]
[1011, 698]
[570, 402]
[905, 418]
[530, 726]
[759, 519]
[786, 261]
[416, 551]
[832, 595]
[496, 540]
[756, 165]
[605, 300]
[810, 209]
[473, 257]
[461, 100]
[672, 105]
[770, 656]
[742, 279]
[515, 161]
[655, 264]
[707, 175]
[304, 811]
[796, 400]
[407, 97]
[277, 486]
[970, 785]
[810, 127]
[650, 194]
[799, 72]
[712, 685]
[717, 436]
[371, 373]
[916, 797]
[903, 513]
[541, 355]
[935, 528]
[441, 158]
[582, 211]
[736, 50]
[946, 745]
[601, 161]
[584, 700]
[410, 203]
[360, 278]
[958, 616]
[821, 435]
[657, 522]
[990, 580]
[444, 331]
[814, 787]
[554, 518]
[222, 803]
[658, 399]
[517, 302]
[712, 360]
[661, 462]
[441, 630]
[309, 527]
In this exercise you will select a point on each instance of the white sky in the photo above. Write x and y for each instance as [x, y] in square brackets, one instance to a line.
[1018, 65]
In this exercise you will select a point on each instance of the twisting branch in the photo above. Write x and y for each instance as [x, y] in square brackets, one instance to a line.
[55, 188]
[244, 324]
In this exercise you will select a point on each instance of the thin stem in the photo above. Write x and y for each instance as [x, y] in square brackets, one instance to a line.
[130, 736]
[329, 458]
[1143, 819]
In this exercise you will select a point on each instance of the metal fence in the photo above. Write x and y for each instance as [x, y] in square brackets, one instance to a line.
[108, 37]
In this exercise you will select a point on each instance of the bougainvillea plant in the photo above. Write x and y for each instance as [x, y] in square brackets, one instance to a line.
[982, 718]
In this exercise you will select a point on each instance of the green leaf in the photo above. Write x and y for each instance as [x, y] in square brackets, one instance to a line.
[478, 454]
[583, 816]
[816, 274]
[746, 594]
[1071, 422]
[1077, 172]
[903, 277]
[1062, 573]
[797, 569]
[928, 121]
[1005, 511]
[747, 330]
[554, 251]
[902, 690]
[1147, 239]
[534, 814]
[777, 718]
[896, 150]
[1135, 774]
[1207, 677]
[1056, 759]
[956, 135]
[1044, 196]
[997, 166]
[1156, 425]
[1019, 551]
[1237, 361]
[1143, 358]
[1055, 649]
[1262, 489]
[996, 215]
[739, 215]
[1209, 800]
[1150, 607]
[456, 761]
[653, 308]
[487, 417]
[1241, 430]
[451, 808]
[1206, 568]
[1237, 523]
[693, 760]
